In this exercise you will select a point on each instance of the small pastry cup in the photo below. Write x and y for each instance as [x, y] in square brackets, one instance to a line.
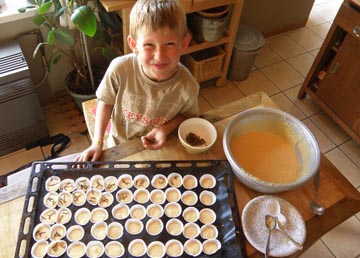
[52, 184]
[134, 226]
[189, 198]
[191, 230]
[190, 182]
[174, 248]
[211, 246]
[174, 227]
[41, 232]
[56, 248]
[50, 200]
[125, 181]
[75, 233]
[157, 196]
[172, 209]
[207, 181]
[124, 196]
[99, 215]
[97, 182]
[57, 232]
[172, 194]
[76, 249]
[95, 249]
[137, 211]
[137, 248]
[99, 230]
[106, 199]
[208, 232]
[82, 216]
[159, 181]
[67, 185]
[115, 230]
[65, 199]
[39, 249]
[110, 183]
[154, 226]
[92, 196]
[191, 214]
[156, 249]
[83, 183]
[114, 249]
[141, 181]
[78, 197]
[207, 216]
[175, 180]
[155, 211]
[48, 216]
[141, 195]
[120, 211]
[63, 215]
[207, 198]
[193, 247]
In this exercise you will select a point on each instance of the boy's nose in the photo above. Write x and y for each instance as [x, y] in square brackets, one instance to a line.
[159, 53]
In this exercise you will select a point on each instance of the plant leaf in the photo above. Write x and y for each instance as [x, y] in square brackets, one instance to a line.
[51, 36]
[64, 36]
[85, 20]
[60, 11]
[23, 9]
[37, 49]
[39, 20]
[45, 7]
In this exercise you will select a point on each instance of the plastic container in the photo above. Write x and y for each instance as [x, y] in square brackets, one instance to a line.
[247, 45]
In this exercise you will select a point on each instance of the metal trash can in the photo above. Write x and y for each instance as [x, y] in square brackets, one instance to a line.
[248, 43]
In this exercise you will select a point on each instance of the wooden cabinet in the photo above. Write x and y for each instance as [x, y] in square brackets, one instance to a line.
[123, 8]
[334, 78]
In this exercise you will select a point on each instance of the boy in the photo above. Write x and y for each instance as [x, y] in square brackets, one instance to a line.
[147, 93]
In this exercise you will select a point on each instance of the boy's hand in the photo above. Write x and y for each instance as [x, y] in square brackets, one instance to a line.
[92, 153]
[154, 140]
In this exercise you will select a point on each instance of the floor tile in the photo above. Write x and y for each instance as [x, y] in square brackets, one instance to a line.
[352, 150]
[345, 166]
[286, 105]
[256, 82]
[283, 75]
[204, 106]
[314, 19]
[307, 105]
[285, 47]
[306, 38]
[325, 144]
[219, 96]
[330, 128]
[317, 250]
[302, 63]
[343, 241]
[325, 11]
[322, 29]
[266, 57]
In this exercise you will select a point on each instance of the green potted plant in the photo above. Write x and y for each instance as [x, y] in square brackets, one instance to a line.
[66, 26]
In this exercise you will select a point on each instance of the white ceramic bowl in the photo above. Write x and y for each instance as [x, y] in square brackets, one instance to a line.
[200, 127]
[279, 123]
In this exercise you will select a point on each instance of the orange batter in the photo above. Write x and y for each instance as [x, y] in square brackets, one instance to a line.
[266, 156]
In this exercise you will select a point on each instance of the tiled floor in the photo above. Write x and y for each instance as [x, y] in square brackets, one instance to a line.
[279, 71]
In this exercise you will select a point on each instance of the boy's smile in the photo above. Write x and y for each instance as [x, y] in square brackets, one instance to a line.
[159, 52]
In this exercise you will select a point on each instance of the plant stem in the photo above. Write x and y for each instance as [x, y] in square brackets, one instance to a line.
[88, 62]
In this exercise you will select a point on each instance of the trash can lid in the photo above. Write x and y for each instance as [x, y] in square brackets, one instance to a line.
[248, 39]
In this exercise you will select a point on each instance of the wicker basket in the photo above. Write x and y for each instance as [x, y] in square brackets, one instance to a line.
[205, 64]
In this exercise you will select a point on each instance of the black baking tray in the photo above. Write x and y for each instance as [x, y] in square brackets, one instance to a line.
[227, 222]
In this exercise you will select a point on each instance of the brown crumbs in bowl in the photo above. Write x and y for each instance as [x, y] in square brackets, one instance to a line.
[194, 139]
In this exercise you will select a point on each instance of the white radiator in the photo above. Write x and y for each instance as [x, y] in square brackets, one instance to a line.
[21, 119]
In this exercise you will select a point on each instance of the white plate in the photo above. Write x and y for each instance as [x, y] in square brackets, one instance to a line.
[253, 224]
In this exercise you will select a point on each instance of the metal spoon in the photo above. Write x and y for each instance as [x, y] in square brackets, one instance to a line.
[280, 227]
[316, 207]
[270, 224]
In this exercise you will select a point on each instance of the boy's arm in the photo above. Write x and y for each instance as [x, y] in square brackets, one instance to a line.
[156, 138]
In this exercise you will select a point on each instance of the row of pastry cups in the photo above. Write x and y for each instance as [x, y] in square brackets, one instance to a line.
[122, 211]
[126, 181]
[142, 196]
[115, 230]
[136, 248]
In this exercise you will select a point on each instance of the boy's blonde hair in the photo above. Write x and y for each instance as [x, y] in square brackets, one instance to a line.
[157, 14]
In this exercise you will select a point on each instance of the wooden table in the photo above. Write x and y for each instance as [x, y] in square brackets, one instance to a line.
[339, 197]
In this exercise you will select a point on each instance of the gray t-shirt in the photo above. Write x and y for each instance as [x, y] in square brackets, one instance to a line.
[140, 103]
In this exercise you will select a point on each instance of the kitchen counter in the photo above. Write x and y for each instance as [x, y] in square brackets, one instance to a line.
[338, 196]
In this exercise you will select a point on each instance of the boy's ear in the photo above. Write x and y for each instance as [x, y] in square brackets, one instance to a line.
[132, 44]
[186, 41]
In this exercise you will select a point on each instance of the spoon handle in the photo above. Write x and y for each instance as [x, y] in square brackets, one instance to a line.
[297, 245]
[267, 248]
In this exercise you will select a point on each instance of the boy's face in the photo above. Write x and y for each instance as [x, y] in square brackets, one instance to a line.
[159, 52]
